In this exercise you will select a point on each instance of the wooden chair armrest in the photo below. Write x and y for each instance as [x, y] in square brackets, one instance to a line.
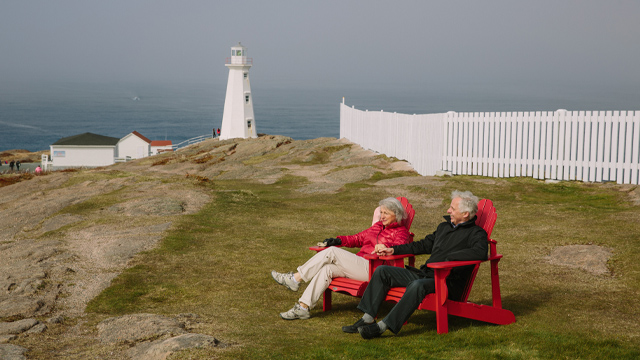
[441, 272]
[320, 248]
[386, 257]
[394, 257]
[452, 264]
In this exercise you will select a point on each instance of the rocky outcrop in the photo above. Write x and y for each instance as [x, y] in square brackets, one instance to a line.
[152, 336]
[12, 352]
[66, 235]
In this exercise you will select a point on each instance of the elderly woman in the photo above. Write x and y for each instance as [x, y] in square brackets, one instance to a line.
[337, 262]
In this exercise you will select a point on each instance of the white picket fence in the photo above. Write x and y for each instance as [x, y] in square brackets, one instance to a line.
[559, 145]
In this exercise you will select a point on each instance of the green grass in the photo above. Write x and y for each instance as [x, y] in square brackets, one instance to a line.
[216, 264]
[322, 156]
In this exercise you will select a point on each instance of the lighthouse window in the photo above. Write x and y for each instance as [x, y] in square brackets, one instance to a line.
[246, 99]
[246, 75]
[249, 123]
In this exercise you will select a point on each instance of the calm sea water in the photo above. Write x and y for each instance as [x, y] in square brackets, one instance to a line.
[35, 115]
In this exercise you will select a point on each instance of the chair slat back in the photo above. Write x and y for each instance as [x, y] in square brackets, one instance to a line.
[408, 208]
[487, 217]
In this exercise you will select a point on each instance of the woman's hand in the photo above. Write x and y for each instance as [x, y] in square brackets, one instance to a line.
[382, 249]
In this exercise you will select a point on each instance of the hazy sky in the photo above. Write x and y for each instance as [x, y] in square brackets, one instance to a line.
[483, 44]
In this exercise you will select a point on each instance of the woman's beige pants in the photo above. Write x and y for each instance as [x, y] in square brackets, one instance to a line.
[327, 264]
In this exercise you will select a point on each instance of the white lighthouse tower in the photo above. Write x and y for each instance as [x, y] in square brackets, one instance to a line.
[237, 118]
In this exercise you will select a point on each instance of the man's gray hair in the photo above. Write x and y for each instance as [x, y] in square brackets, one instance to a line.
[396, 207]
[468, 202]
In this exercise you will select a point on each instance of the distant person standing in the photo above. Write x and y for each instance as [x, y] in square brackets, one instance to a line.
[218, 132]
[18, 165]
[38, 170]
[11, 165]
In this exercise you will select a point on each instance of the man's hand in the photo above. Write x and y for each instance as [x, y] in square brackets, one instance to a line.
[382, 250]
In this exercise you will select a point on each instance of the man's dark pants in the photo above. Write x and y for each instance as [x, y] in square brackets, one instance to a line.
[386, 277]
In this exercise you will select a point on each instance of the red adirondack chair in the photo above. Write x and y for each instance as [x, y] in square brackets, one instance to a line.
[356, 287]
[439, 301]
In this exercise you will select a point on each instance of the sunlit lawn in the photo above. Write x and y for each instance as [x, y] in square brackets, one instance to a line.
[216, 264]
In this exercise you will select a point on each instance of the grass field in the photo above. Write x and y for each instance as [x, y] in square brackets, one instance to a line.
[216, 264]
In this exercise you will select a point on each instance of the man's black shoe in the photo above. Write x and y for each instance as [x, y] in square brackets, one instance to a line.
[369, 331]
[352, 329]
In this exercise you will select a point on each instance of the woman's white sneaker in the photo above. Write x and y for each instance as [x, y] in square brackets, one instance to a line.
[296, 312]
[285, 279]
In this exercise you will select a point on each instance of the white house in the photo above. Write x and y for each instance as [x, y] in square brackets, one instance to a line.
[83, 150]
[134, 146]
[160, 146]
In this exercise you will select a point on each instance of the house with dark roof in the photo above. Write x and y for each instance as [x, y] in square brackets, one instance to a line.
[134, 146]
[93, 150]
[83, 150]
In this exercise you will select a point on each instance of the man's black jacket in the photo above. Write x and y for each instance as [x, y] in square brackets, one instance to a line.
[467, 241]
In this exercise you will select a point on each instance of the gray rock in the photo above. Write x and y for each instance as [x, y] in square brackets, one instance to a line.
[12, 352]
[21, 306]
[17, 327]
[351, 175]
[56, 319]
[161, 349]
[38, 329]
[129, 329]
[6, 338]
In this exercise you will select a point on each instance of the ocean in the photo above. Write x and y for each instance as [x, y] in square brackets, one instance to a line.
[35, 115]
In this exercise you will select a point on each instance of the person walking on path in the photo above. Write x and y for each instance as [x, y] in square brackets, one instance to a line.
[11, 165]
[18, 165]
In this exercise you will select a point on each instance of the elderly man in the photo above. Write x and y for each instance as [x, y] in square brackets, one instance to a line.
[457, 238]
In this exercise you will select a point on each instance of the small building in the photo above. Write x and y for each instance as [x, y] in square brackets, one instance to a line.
[134, 146]
[83, 150]
[160, 146]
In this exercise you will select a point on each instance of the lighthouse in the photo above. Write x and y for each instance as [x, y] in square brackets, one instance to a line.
[237, 118]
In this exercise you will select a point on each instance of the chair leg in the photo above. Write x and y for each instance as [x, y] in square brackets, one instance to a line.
[442, 315]
[495, 285]
[442, 320]
[326, 300]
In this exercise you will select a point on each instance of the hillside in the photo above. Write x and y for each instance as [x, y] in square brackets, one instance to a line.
[66, 235]
[141, 259]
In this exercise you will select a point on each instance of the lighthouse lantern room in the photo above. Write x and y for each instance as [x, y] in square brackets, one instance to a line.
[237, 118]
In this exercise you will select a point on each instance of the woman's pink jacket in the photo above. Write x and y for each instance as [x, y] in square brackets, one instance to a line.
[393, 234]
